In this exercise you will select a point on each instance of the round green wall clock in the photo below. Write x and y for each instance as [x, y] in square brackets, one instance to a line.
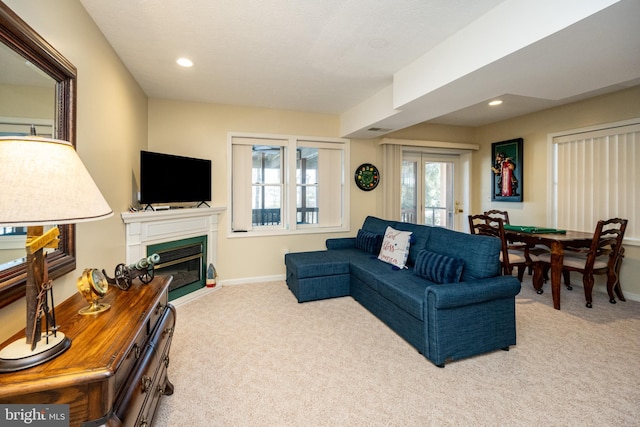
[367, 177]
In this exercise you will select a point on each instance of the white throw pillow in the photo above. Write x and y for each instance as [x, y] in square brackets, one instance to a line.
[395, 247]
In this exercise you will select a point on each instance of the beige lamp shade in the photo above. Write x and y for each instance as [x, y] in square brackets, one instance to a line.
[43, 182]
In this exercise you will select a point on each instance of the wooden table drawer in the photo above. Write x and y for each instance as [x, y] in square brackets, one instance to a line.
[132, 357]
[157, 311]
[141, 387]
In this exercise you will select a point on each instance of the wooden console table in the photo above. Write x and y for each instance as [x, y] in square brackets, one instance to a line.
[116, 369]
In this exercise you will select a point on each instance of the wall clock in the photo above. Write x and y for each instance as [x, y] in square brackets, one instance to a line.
[367, 177]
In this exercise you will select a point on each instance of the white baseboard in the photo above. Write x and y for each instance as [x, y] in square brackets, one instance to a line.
[247, 280]
[191, 296]
[627, 295]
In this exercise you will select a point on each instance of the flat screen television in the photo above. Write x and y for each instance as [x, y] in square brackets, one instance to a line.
[166, 178]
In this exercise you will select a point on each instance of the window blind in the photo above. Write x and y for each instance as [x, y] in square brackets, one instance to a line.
[596, 177]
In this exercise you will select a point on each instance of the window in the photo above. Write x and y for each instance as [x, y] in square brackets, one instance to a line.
[596, 176]
[287, 184]
[266, 185]
[307, 186]
[13, 231]
[12, 238]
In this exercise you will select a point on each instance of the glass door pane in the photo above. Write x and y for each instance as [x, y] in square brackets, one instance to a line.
[428, 191]
[438, 193]
[409, 197]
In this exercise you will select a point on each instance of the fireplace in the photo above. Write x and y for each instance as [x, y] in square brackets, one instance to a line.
[170, 229]
[183, 259]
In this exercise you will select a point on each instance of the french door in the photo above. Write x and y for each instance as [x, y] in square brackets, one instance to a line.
[432, 189]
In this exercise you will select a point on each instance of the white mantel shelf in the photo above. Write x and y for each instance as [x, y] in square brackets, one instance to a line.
[146, 228]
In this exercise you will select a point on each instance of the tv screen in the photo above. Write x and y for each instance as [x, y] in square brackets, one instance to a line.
[166, 178]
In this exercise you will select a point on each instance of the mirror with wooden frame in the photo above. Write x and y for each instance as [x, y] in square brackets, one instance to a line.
[17, 37]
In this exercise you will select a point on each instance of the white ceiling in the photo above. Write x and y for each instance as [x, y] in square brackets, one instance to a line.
[378, 63]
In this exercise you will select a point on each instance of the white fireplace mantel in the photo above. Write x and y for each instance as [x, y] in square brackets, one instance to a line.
[146, 228]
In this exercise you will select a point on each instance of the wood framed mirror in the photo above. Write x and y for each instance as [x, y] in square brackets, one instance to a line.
[16, 37]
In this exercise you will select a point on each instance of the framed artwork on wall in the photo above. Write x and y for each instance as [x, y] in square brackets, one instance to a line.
[506, 169]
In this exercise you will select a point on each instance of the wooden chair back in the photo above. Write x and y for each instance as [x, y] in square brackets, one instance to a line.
[495, 213]
[607, 240]
[604, 256]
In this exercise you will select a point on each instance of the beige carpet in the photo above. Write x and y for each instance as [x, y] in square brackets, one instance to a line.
[250, 355]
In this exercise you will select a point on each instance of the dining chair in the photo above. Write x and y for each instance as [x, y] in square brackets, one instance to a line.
[604, 256]
[491, 226]
[529, 252]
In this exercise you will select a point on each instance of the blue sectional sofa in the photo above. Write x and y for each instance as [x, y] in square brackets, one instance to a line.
[449, 302]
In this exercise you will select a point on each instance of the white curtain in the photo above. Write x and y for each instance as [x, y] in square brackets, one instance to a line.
[241, 219]
[331, 183]
[390, 181]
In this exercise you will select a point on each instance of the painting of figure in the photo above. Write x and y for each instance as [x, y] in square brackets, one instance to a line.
[507, 171]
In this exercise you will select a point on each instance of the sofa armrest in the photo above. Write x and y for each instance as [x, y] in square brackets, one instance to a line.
[472, 292]
[342, 243]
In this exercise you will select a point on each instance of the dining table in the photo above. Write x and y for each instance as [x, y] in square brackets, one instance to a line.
[556, 240]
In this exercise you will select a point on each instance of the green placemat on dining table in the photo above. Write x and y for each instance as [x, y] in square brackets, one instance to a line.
[534, 230]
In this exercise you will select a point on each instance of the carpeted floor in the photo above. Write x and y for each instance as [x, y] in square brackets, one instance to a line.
[250, 355]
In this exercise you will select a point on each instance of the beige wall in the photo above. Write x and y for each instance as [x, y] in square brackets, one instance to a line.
[112, 128]
[27, 102]
[115, 121]
[200, 130]
[535, 128]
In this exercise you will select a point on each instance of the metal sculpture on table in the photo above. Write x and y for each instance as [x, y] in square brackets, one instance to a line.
[49, 314]
[125, 274]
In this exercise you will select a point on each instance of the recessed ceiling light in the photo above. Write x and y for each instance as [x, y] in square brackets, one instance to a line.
[495, 102]
[184, 62]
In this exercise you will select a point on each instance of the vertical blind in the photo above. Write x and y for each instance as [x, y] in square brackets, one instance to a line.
[597, 177]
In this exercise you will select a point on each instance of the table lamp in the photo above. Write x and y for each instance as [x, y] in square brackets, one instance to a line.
[42, 183]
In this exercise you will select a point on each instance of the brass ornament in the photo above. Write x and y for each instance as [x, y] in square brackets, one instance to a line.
[93, 286]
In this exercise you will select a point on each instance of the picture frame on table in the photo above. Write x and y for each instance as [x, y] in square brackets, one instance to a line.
[507, 162]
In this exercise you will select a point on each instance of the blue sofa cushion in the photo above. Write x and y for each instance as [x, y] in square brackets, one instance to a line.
[376, 225]
[404, 289]
[481, 254]
[438, 268]
[368, 241]
[366, 267]
[315, 264]
[419, 237]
